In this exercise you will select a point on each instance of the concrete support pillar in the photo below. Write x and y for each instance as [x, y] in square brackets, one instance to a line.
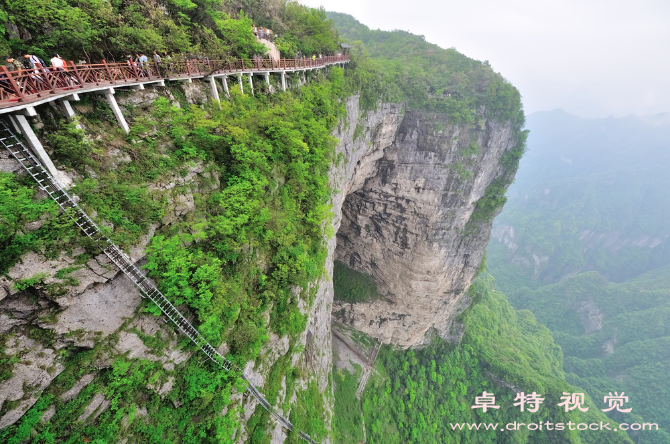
[215, 91]
[283, 81]
[109, 95]
[224, 81]
[251, 83]
[267, 78]
[67, 108]
[35, 145]
[239, 78]
[16, 126]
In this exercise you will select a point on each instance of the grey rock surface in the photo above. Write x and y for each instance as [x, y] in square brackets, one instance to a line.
[405, 222]
[37, 367]
[76, 388]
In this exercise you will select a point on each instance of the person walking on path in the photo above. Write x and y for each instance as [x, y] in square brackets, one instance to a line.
[59, 68]
[57, 63]
[157, 60]
[12, 64]
[36, 63]
[144, 63]
[167, 59]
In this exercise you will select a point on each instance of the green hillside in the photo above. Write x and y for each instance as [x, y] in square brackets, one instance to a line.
[615, 337]
[417, 395]
[583, 244]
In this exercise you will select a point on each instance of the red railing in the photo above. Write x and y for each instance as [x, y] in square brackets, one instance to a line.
[30, 85]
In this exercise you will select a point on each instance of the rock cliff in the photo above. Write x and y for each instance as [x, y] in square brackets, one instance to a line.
[406, 201]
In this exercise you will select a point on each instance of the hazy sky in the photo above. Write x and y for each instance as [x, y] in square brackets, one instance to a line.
[593, 58]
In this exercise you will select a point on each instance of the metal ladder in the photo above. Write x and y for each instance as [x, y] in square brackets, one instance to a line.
[47, 183]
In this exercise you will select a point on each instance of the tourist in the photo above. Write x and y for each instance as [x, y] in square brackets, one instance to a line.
[144, 63]
[57, 63]
[157, 59]
[12, 64]
[168, 61]
[35, 62]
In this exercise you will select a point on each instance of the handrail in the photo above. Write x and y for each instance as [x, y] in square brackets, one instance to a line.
[47, 183]
[27, 85]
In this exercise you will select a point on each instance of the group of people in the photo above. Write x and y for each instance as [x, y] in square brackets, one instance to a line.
[31, 61]
[263, 33]
[38, 67]
[141, 62]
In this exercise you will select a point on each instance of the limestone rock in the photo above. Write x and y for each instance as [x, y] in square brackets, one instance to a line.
[98, 405]
[74, 391]
[405, 210]
[38, 366]
[102, 309]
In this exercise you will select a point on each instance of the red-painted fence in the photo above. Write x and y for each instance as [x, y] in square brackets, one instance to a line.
[30, 85]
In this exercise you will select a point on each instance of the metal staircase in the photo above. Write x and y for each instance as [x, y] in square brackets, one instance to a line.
[47, 183]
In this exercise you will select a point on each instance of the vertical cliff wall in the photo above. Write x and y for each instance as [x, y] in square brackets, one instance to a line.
[406, 219]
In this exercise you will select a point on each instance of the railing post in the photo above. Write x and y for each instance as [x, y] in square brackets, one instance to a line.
[12, 81]
[47, 76]
[109, 71]
[136, 71]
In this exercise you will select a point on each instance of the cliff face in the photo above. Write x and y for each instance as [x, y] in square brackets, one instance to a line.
[407, 202]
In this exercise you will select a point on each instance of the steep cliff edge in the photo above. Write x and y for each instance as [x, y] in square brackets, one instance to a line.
[407, 220]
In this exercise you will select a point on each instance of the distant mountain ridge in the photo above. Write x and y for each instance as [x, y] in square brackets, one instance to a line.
[583, 243]
[590, 194]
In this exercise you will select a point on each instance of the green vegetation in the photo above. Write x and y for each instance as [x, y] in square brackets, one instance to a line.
[189, 414]
[92, 30]
[249, 248]
[347, 420]
[252, 246]
[615, 337]
[353, 286]
[18, 209]
[419, 393]
[397, 66]
[587, 252]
